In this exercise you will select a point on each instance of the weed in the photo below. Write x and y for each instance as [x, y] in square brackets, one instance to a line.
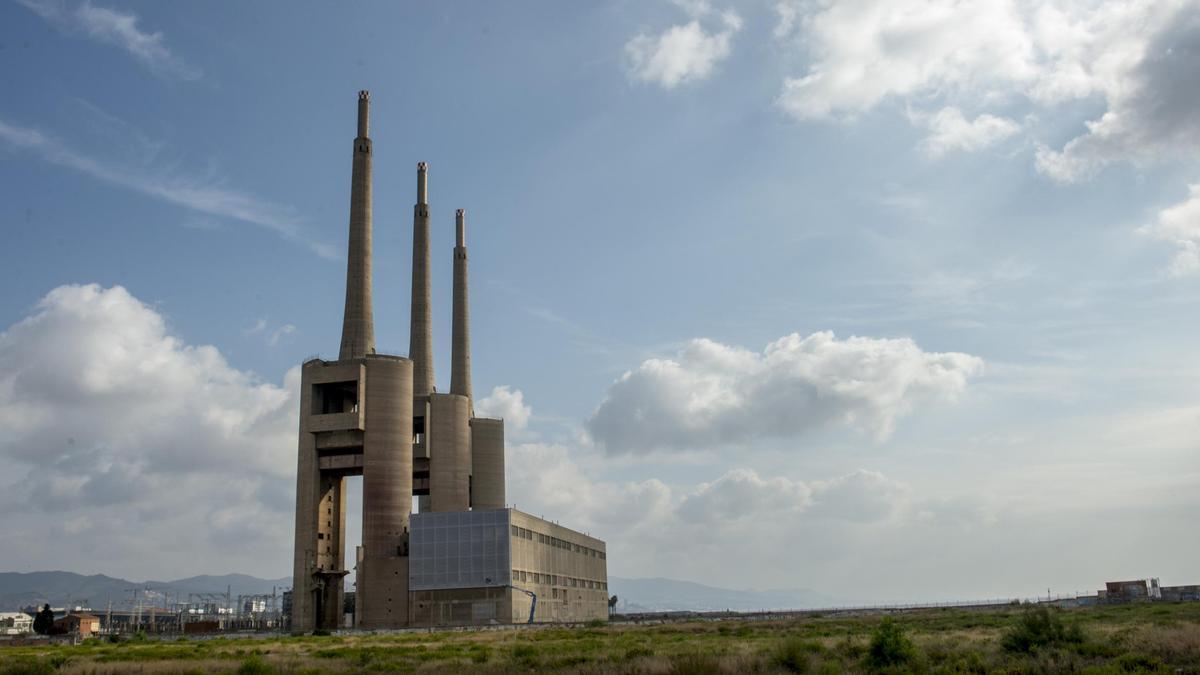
[890, 647]
[793, 654]
[637, 653]
[526, 655]
[1040, 627]
[254, 665]
[694, 664]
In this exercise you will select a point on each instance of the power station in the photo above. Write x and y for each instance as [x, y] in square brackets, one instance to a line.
[463, 558]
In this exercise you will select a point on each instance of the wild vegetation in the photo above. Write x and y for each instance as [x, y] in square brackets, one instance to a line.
[1158, 638]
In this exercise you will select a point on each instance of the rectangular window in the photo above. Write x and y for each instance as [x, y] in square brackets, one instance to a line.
[335, 397]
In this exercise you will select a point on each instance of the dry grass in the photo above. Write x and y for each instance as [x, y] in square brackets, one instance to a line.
[1158, 638]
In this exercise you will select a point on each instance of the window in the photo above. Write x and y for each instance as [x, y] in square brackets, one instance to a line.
[516, 531]
[334, 397]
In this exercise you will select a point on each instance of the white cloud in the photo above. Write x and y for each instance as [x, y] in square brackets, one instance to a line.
[713, 394]
[949, 131]
[682, 53]
[163, 446]
[118, 29]
[1180, 225]
[1138, 56]
[867, 50]
[507, 404]
[1153, 105]
[200, 196]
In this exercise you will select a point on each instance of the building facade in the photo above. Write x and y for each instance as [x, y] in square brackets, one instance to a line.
[504, 566]
[381, 417]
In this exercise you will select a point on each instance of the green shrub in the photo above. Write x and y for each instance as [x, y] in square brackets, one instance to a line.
[890, 647]
[1040, 627]
[480, 654]
[793, 654]
[637, 652]
[525, 655]
[596, 623]
[254, 665]
[1140, 663]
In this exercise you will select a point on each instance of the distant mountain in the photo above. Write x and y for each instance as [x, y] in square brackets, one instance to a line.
[61, 589]
[653, 595]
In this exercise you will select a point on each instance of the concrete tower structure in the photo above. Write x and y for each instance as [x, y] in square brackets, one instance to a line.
[460, 350]
[382, 417]
[420, 337]
[355, 419]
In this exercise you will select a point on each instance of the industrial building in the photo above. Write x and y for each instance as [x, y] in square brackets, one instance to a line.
[464, 558]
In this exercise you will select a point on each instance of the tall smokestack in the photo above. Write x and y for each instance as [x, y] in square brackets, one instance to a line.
[420, 339]
[460, 357]
[358, 325]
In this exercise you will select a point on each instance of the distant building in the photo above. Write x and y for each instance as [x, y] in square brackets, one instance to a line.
[1132, 591]
[1181, 593]
[15, 623]
[82, 625]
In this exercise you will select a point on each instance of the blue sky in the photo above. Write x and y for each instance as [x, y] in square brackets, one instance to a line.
[987, 206]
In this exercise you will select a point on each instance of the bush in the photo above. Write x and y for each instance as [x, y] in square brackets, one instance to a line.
[525, 655]
[637, 652]
[1140, 663]
[1040, 627]
[254, 665]
[793, 654]
[890, 647]
[480, 653]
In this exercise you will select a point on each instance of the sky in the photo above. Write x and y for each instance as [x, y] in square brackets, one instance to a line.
[890, 299]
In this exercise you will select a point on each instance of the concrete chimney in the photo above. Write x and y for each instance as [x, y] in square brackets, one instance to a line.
[420, 340]
[460, 357]
[358, 325]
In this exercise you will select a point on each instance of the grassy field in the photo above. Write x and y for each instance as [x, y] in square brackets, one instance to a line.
[1160, 638]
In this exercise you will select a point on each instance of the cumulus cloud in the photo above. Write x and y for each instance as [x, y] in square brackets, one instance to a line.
[507, 404]
[1153, 105]
[724, 531]
[116, 28]
[1180, 225]
[1137, 56]
[867, 50]
[949, 131]
[713, 394]
[683, 53]
[159, 445]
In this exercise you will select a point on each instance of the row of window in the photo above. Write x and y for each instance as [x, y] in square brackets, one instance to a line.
[557, 580]
[523, 533]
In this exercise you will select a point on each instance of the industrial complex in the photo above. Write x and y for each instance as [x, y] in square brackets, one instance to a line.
[463, 558]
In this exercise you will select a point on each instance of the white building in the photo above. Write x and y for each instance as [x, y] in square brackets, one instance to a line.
[15, 623]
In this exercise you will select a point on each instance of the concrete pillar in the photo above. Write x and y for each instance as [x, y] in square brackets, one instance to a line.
[487, 463]
[420, 341]
[358, 326]
[460, 355]
[387, 492]
[449, 453]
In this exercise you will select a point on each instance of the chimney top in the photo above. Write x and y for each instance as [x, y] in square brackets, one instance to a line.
[363, 94]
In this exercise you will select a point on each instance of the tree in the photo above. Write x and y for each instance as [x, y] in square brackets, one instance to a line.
[43, 623]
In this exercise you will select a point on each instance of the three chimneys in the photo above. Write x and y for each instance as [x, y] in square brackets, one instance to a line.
[358, 329]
